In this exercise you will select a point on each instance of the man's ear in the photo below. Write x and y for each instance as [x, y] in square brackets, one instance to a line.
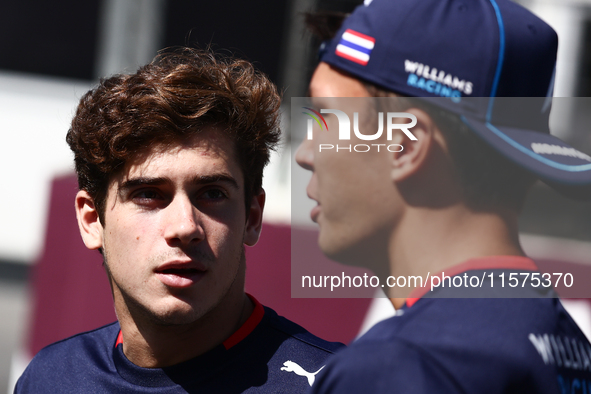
[254, 219]
[89, 222]
[414, 153]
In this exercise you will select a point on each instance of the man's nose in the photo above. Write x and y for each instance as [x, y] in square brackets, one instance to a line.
[305, 155]
[183, 223]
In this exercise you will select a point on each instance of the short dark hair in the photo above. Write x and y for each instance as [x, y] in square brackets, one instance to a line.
[169, 100]
[488, 179]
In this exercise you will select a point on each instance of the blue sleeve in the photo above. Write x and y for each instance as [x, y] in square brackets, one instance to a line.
[23, 383]
[34, 378]
[385, 368]
[16, 387]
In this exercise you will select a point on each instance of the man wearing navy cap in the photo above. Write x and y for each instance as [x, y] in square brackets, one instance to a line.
[448, 200]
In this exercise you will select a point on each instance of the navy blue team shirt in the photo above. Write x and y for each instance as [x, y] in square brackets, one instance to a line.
[468, 345]
[268, 354]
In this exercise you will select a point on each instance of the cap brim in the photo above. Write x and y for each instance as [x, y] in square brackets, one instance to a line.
[556, 163]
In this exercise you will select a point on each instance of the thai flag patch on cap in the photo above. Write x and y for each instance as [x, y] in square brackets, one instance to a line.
[355, 46]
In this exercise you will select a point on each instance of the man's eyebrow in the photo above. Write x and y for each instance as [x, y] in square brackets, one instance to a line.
[225, 178]
[197, 180]
[141, 181]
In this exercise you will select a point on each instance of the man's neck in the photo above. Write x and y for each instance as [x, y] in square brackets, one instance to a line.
[151, 345]
[432, 240]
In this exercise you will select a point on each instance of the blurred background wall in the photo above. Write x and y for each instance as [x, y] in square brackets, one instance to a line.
[53, 52]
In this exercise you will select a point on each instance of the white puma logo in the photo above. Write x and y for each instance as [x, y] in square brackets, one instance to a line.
[290, 366]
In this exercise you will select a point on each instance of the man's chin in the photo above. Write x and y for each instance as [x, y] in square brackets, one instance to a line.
[355, 255]
[175, 312]
[175, 317]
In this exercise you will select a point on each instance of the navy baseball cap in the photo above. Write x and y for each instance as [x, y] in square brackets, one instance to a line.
[468, 56]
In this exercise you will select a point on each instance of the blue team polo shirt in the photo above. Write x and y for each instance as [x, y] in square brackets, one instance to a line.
[468, 345]
[268, 354]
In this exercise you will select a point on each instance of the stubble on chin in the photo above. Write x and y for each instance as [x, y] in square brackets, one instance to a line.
[181, 308]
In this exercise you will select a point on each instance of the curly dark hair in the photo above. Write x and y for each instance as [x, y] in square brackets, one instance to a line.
[182, 92]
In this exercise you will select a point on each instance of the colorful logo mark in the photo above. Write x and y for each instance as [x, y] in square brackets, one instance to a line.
[316, 117]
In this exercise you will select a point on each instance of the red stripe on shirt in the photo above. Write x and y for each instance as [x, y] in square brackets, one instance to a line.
[119, 339]
[248, 326]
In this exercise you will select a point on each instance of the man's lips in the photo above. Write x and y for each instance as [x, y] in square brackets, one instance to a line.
[180, 274]
[315, 212]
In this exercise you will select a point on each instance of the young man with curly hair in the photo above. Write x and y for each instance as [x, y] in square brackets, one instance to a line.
[170, 163]
[445, 204]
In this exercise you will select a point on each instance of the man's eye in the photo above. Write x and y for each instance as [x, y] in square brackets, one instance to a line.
[213, 194]
[146, 195]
